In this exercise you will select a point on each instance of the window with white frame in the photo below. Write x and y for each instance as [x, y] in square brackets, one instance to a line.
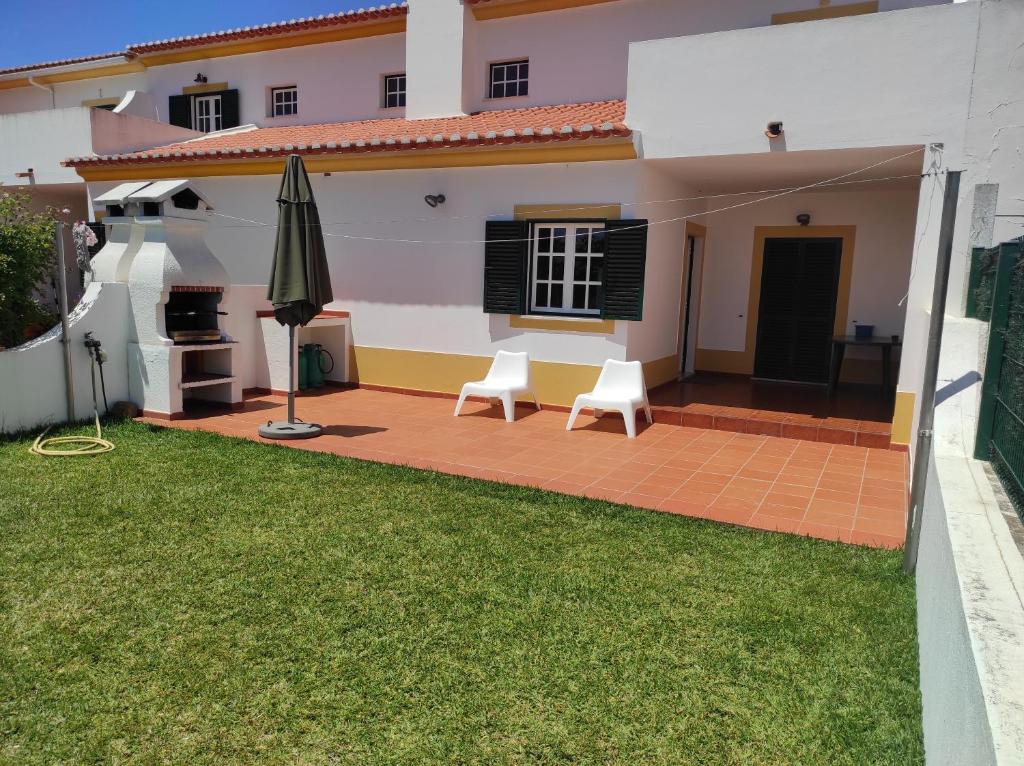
[394, 91]
[567, 268]
[207, 114]
[510, 78]
[284, 102]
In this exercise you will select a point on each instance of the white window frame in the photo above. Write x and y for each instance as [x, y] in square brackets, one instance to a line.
[520, 80]
[293, 102]
[399, 94]
[575, 231]
[213, 120]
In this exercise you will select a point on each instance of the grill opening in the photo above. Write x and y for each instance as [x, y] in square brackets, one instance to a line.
[193, 317]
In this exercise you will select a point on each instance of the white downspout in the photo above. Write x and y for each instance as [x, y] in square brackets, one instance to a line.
[48, 89]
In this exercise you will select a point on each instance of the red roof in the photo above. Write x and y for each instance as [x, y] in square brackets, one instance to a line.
[378, 13]
[564, 122]
[395, 10]
[65, 62]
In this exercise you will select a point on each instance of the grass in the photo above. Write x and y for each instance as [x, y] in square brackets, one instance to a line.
[193, 599]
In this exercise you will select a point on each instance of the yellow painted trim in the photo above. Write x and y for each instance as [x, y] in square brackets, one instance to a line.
[204, 87]
[825, 12]
[555, 382]
[21, 82]
[903, 417]
[742, 362]
[566, 210]
[399, 160]
[488, 11]
[242, 47]
[661, 371]
[600, 326]
[102, 101]
[111, 70]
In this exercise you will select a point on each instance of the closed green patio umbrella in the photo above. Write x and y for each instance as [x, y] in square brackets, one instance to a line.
[300, 283]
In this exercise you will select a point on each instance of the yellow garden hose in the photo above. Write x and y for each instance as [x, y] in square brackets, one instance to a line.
[82, 445]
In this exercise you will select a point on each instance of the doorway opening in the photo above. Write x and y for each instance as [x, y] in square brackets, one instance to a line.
[797, 309]
[689, 313]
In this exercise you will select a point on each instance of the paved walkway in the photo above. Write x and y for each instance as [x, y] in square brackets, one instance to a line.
[831, 491]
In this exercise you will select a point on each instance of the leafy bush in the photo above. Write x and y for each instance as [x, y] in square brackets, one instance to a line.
[26, 259]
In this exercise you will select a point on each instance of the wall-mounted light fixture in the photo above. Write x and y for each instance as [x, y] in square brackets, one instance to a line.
[774, 129]
[434, 199]
[803, 219]
[200, 79]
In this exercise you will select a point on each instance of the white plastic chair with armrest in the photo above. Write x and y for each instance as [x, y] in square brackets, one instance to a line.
[620, 387]
[509, 376]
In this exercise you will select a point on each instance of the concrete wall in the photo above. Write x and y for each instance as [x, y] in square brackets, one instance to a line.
[970, 578]
[913, 88]
[32, 375]
[581, 54]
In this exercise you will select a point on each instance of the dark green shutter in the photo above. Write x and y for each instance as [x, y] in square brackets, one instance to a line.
[229, 114]
[505, 256]
[180, 111]
[625, 258]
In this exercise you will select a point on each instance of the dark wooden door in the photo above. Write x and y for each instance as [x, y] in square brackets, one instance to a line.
[799, 287]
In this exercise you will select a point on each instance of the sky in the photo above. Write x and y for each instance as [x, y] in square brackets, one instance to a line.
[47, 30]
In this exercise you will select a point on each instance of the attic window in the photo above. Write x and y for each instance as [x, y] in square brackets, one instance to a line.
[151, 208]
[186, 199]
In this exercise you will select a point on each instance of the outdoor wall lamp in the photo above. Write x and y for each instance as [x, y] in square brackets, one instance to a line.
[434, 199]
[803, 218]
[200, 79]
[774, 129]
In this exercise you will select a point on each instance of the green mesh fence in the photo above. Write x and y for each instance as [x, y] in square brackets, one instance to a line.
[982, 280]
[1001, 419]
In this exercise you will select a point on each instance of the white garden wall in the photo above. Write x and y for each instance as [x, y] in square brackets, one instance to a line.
[32, 391]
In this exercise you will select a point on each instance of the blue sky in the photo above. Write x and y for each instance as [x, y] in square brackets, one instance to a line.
[45, 30]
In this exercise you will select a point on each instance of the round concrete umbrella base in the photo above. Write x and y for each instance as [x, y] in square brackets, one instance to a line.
[285, 430]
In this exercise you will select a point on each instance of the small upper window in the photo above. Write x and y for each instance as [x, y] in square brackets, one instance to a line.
[284, 101]
[511, 78]
[394, 90]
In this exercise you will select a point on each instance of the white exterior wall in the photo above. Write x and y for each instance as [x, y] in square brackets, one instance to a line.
[421, 297]
[656, 337]
[68, 94]
[337, 82]
[884, 241]
[581, 54]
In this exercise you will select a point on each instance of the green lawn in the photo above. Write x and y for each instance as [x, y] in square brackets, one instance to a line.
[193, 599]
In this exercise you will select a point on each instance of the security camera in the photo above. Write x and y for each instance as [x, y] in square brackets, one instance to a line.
[774, 129]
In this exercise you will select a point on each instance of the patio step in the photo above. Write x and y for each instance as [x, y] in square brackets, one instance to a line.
[831, 430]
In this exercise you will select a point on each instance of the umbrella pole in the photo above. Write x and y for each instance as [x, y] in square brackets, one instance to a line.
[291, 373]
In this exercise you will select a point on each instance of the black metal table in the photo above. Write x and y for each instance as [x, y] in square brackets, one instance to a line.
[884, 344]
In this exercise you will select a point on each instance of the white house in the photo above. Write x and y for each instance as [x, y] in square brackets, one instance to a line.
[713, 186]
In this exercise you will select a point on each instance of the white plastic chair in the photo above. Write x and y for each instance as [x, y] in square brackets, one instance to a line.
[509, 375]
[620, 387]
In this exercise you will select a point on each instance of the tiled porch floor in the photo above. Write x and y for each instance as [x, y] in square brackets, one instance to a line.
[853, 414]
[831, 491]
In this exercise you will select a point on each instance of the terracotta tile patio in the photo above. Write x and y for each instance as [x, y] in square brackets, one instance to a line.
[831, 491]
[852, 414]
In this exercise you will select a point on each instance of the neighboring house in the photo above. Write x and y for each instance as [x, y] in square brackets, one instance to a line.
[598, 160]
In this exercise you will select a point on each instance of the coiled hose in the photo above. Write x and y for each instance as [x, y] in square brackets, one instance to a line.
[79, 446]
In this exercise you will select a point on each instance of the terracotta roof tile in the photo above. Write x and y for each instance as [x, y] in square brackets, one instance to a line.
[395, 10]
[344, 18]
[564, 122]
[64, 62]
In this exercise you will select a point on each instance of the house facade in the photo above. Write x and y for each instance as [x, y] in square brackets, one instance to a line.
[704, 187]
